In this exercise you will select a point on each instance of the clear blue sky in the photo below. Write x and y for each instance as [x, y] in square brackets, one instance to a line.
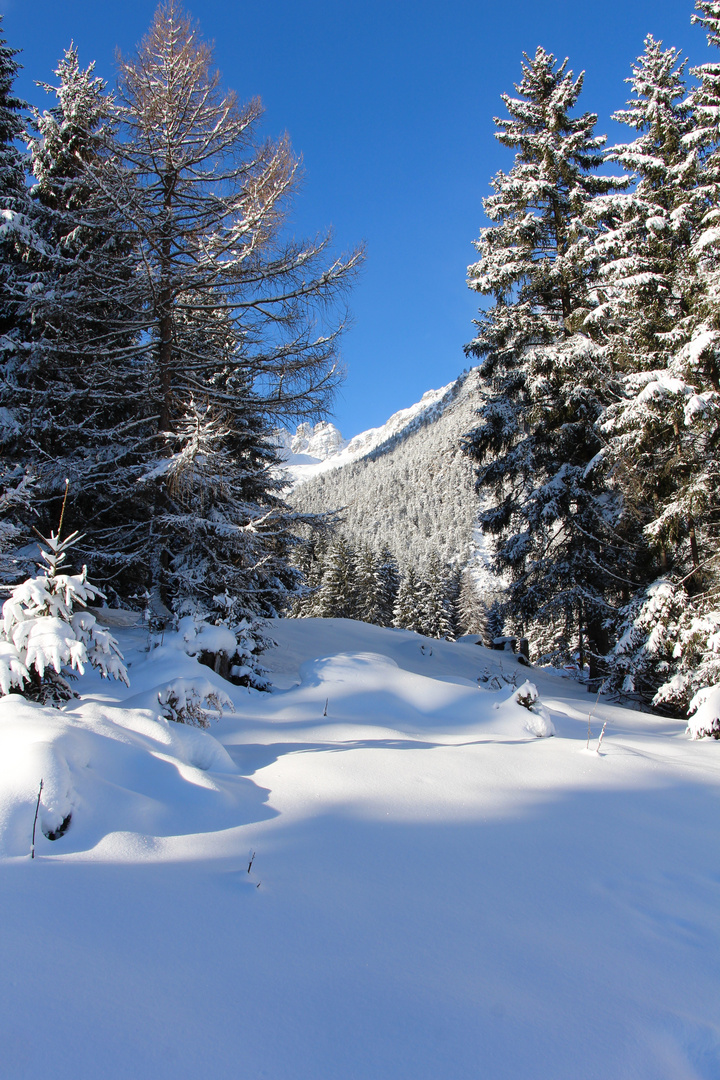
[390, 102]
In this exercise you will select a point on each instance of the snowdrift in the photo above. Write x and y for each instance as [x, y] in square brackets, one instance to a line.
[379, 870]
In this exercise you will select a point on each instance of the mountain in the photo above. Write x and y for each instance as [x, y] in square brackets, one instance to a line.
[405, 485]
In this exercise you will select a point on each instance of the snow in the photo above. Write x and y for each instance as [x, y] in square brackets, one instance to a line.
[376, 871]
[317, 450]
[705, 713]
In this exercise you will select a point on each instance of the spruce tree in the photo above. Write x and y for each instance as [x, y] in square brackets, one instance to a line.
[369, 587]
[77, 402]
[20, 249]
[664, 435]
[438, 600]
[647, 291]
[547, 378]
[407, 614]
[337, 596]
[471, 610]
[389, 574]
[17, 231]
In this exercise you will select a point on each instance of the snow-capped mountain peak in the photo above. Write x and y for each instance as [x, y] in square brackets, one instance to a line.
[318, 449]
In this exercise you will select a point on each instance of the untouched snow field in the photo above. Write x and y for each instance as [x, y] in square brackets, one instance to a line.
[436, 893]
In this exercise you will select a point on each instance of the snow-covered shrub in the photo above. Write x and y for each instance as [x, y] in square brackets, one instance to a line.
[42, 634]
[704, 710]
[669, 646]
[539, 723]
[187, 701]
[232, 651]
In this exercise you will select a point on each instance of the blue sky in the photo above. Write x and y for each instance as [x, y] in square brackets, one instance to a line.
[391, 104]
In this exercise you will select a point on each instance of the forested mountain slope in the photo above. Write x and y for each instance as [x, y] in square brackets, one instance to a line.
[406, 486]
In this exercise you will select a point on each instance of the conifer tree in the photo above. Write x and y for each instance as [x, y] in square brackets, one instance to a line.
[666, 431]
[389, 574]
[407, 614]
[643, 243]
[16, 225]
[495, 623]
[76, 400]
[471, 610]
[20, 248]
[198, 325]
[547, 379]
[229, 307]
[647, 287]
[438, 600]
[337, 596]
[369, 587]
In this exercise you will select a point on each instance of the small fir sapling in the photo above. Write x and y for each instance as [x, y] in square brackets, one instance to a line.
[43, 635]
[539, 723]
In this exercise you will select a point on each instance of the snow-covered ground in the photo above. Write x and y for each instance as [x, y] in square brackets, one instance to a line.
[435, 892]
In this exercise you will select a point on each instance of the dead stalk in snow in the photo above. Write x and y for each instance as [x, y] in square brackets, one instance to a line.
[597, 751]
[590, 716]
[37, 808]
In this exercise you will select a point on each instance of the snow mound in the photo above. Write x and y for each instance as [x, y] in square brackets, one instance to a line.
[104, 770]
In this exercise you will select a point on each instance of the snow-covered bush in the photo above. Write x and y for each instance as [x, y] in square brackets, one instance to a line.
[42, 635]
[232, 651]
[669, 646]
[539, 723]
[187, 701]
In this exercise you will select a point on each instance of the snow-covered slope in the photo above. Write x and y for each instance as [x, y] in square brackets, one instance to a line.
[376, 872]
[319, 449]
[406, 485]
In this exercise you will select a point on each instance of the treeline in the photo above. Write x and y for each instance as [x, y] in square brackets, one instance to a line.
[432, 598]
[596, 446]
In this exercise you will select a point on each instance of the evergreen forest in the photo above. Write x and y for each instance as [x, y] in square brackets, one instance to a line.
[159, 322]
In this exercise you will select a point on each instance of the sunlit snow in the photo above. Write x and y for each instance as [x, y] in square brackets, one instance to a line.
[379, 870]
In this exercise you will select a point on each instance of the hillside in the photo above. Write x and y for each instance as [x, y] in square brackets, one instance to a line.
[406, 485]
[376, 872]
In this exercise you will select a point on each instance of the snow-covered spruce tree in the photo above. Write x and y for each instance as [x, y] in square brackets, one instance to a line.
[43, 634]
[16, 225]
[337, 595]
[472, 612]
[20, 248]
[439, 589]
[407, 614]
[668, 428]
[309, 559]
[369, 587]
[389, 574]
[495, 622]
[547, 379]
[77, 402]
[643, 243]
[647, 286]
